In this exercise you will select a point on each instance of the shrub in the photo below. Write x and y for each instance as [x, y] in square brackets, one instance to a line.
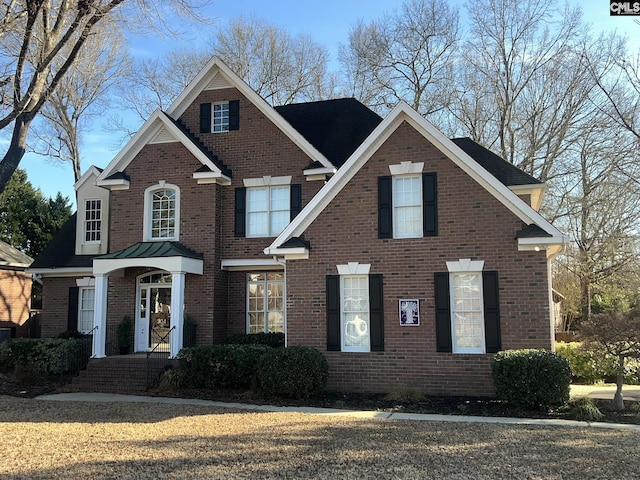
[294, 372]
[218, 366]
[532, 378]
[590, 364]
[271, 339]
[45, 356]
[585, 410]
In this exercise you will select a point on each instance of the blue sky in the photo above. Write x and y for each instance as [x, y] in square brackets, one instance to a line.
[327, 22]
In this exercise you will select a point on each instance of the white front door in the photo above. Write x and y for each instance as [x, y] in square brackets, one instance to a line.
[153, 318]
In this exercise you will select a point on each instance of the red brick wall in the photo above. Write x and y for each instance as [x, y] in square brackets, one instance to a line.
[15, 296]
[206, 211]
[472, 224]
[55, 305]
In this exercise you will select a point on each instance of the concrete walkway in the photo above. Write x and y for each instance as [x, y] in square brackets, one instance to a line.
[109, 397]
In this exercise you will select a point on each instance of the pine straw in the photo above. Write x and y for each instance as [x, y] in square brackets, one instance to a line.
[157, 441]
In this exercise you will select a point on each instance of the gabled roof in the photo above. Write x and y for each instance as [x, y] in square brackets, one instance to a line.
[60, 252]
[12, 258]
[217, 75]
[404, 113]
[335, 127]
[92, 172]
[161, 128]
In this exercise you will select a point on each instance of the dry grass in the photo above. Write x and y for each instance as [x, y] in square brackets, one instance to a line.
[157, 441]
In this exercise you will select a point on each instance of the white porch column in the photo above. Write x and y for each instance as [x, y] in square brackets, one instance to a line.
[177, 312]
[100, 316]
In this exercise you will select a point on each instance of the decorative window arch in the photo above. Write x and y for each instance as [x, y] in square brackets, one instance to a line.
[162, 212]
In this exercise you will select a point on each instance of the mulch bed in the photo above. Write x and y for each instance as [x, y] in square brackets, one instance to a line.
[443, 405]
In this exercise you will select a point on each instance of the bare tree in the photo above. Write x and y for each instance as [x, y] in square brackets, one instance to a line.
[521, 87]
[151, 84]
[41, 40]
[407, 55]
[617, 75]
[619, 334]
[282, 68]
[80, 97]
[597, 204]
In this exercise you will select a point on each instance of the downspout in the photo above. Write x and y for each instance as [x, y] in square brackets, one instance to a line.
[281, 261]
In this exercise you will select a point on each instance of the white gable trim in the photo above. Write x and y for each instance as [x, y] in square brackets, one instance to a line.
[158, 122]
[216, 74]
[404, 113]
[92, 172]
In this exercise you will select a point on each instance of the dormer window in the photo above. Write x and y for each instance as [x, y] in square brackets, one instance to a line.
[92, 220]
[162, 212]
[219, 117]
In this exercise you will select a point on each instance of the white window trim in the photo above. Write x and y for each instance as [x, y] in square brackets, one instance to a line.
[466, 266]
[353, 269]
[80, 309]
[265, 325]
[147, 227]
[84, 222]
[265, 182]
[213, 117]
[419, 234]
[405, 169]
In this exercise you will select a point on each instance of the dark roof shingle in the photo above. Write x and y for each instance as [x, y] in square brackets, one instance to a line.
[334, 127]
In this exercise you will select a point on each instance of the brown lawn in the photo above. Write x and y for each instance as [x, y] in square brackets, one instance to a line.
[45, 439]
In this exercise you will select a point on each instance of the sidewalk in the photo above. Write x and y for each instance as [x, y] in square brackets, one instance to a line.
[110, 397]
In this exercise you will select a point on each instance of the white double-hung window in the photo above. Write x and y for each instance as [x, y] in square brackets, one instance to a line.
[268, 206]
[467, 310]
[407, 206]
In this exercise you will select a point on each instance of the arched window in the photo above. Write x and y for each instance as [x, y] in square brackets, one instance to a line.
[162, 212]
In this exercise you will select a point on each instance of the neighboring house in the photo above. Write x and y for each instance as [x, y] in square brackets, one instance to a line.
[15, 287]
[405, 257]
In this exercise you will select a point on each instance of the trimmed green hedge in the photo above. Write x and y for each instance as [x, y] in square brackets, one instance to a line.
[271, 339]
[532, 378]
[218, 366]
[294, 372]
[45, 356]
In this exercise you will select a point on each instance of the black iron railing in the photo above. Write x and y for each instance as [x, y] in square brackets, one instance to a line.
[74, 359]
[158, 357]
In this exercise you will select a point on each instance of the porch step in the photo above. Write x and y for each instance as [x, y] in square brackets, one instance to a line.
[118, 374]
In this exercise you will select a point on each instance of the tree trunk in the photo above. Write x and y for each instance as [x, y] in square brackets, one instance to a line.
[585, 297]
[16, 149]
[618, 401]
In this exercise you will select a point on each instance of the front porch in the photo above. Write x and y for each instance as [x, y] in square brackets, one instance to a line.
[158, 308]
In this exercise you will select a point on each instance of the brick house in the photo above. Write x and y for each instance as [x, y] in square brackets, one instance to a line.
[405, 257]
[15, 287]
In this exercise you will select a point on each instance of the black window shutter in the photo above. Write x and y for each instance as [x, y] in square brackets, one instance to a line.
[443, 312]
[234, 115]
[205, 118]
[376, 314]
[491, 312]
[385, 214]
[430, 204]
[333, 313]
[240, 212]
[296, 200]
[72, 315]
